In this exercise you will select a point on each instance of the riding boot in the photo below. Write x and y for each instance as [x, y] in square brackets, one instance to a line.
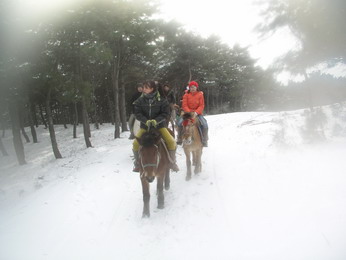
[136, 161]
[173, 165]
[205, 136]
[179, 139]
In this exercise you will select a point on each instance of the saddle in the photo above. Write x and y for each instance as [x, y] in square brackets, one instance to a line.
[166, 150]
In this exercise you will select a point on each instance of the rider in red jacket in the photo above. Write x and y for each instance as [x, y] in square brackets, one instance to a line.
[193, 101]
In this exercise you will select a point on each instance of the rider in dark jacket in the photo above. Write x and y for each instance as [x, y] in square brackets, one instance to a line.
[152, 111]
[151, 106]
[167, 92]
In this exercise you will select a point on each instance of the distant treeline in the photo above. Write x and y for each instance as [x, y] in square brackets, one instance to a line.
[83, 64]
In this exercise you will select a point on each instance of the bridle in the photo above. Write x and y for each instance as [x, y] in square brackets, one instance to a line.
[153, 164]
[188, 123]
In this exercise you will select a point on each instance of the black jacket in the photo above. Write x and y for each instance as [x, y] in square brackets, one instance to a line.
[170, 97]
[133, 99]
[151, 106]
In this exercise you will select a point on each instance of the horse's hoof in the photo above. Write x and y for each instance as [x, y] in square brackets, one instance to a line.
[188, 178]
[146, 215]
[161, 206]
[167, 187]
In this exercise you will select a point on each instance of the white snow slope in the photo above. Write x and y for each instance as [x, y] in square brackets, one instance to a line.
[268, 190]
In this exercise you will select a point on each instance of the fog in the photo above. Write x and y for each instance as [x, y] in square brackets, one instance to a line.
[274, 82]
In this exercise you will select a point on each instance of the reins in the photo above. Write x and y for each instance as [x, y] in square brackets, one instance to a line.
[152, 164]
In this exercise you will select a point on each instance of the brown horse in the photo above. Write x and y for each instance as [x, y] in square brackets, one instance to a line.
[154, 162]
[192, 143]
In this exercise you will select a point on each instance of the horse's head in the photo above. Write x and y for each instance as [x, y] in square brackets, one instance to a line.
[189, 123]
[149, 154]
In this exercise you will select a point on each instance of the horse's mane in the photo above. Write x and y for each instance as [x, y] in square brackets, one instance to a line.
[150, 138]
[187, 116]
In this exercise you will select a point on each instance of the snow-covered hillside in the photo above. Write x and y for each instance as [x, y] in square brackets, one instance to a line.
[272, 187]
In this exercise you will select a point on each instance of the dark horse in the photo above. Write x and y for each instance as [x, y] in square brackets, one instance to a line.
[192, 143]
[154, 162]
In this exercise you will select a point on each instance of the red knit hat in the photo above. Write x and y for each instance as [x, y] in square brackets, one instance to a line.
[193, 83]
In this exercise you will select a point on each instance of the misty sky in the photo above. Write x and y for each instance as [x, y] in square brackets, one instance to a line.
[233, 21]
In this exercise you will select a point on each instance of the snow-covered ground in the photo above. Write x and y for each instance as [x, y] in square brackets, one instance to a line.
[270, 188]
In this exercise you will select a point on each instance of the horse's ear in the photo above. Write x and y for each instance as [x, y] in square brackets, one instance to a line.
[157, 137]
[157, 141]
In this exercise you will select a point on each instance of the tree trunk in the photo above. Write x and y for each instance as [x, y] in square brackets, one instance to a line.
[65, 116]
[31, 121]
[33, 114]
[33, 130]
[3, 127]
[75, 123]
[42, 117]
[86, 129]
[51, 126]
[21, 122]
[213, 97]
[2, 148]
[190, 73]
[26, 137]
[17, 140]
[95, 117]
[115, 82]
[110, 106]
[87, 122]
[96, 122]
[123, 107]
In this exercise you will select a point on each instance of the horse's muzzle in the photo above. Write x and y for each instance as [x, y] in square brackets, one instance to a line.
[150, 179]
[187, 141]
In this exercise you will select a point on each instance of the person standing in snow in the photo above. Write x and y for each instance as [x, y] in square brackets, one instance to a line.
[193, 101]
[151, 110]
[132, 116]
[166, 91]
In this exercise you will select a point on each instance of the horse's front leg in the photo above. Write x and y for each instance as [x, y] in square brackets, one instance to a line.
[146, 198]
[198, 167]
[167, 179]
[194, 161]
[160, 196]
[188, 164]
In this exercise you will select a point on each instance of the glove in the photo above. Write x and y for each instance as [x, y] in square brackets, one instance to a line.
[151, 123]
[154, 123]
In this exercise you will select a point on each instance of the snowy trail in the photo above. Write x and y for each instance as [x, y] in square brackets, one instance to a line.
[253, 200]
